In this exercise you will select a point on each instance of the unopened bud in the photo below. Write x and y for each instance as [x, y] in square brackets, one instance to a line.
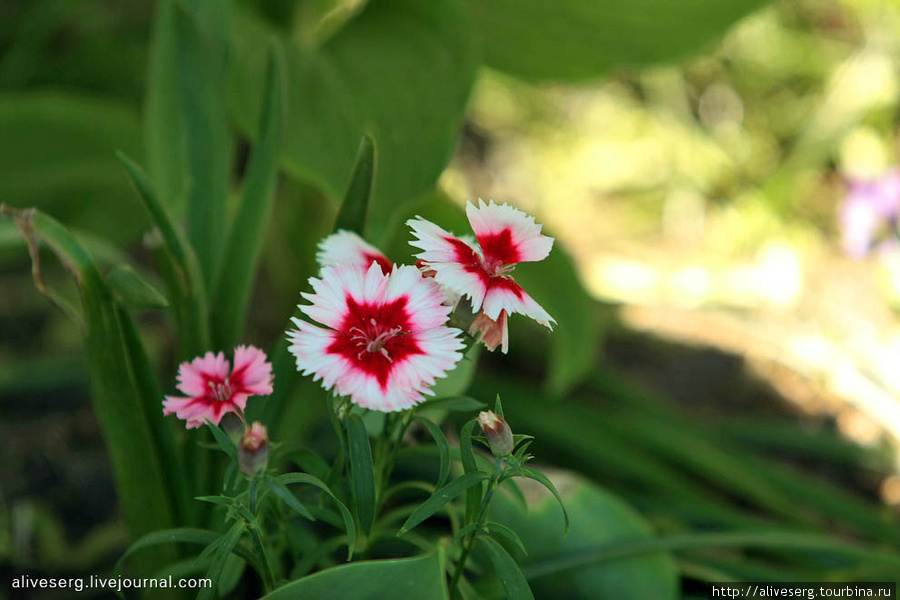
[497, 432]
[253, 451]
[233, 426]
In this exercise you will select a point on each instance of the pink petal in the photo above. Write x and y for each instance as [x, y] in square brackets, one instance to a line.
[347, 248]
[507, 235]
[493, 333]
[193, 377]
[193, 410]
[252, 372]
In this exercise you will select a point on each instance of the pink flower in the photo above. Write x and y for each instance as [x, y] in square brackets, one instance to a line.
[868, 208]
[212, 392]
[482, 272]
[347, 248]
[383, 340]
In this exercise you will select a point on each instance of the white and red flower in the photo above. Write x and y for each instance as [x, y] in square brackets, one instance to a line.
[347, 248]
[383, 339]
[213, 389]
[482, 272]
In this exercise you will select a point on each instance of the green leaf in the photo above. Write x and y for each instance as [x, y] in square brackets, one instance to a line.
[355, 207]
[573, 40]
[498, 406]
[285, 494]
[132, 290]
[598, 517]
[508, 570]
[56, 154]
[421, 578]
[223, 440]
[508, 534]
[198, 537]
[443, 447]
[241, 255]
[362, 471]
[227, 545]
[349, 525]
[467, 457]
[189, 142]
[137, 461]
[544, 481]
[457, 381]
[358, 82]
[442, 497]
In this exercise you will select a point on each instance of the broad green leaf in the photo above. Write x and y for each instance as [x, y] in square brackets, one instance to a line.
[442, 497]
[362, 471]
[544, 481]
[349, 525]
[181, 269]
[598, 517]
[242, 250]
[288, 498]
[57, 155]
[443, 447]
[358, 82]
[132, 290]
[507, 570]
[421, 578]
[136, 459]
[467, 457]
[573, 40]
[355, 207]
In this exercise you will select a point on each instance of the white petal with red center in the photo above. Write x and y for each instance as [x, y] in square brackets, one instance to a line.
[309, 345]
[457, 264]
[252, 373]
[506, 294]
[194, 376]
[347, 248]
[424, 300]
[507, 235]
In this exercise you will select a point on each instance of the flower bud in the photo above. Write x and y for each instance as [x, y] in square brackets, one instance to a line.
[497, 432]
[493, 333]
[253, 451]
[233, 426]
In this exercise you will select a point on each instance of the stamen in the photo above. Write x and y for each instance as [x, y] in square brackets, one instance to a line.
[220, 391]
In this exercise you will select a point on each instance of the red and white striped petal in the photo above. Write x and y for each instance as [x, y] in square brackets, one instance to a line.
[252, 372]
[507, 235]
[457, 264]
[384, 343]
[347, 248]
[505, 294]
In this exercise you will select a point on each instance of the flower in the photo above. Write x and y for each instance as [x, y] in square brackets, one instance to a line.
[212, 392]
[868, 206]
[497, 432]
[383, 340]
[347, 248]
[253, 451]
[482, 272]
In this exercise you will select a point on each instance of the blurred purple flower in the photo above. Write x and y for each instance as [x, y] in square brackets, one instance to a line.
[868, 206]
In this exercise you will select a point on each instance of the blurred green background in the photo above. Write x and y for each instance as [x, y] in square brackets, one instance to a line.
[719, 362]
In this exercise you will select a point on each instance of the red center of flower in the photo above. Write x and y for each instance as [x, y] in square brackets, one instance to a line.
[376, 337]
[494, 273]
[220, 390]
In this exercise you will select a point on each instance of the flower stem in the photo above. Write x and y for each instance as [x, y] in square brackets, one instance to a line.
[256, 534]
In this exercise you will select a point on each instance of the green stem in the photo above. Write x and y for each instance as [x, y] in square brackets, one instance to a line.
[256, 533]
[481, 516]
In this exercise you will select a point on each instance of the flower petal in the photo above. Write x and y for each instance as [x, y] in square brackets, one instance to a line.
[252, 373]
[347, 248]
[493, 333]
[506, 234]
[505, 294]
[194, 376]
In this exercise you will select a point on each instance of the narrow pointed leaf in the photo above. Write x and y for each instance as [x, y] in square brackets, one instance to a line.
[509, 534]
[362, 471]
[236, 273]
[507, 570]
[225, 443]
[455, 404]
[288, 498]
[440, 441]
[441, 498]
[544, 481]
[132, 290]
[355, 207]
[227, 545]
[349, 525]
